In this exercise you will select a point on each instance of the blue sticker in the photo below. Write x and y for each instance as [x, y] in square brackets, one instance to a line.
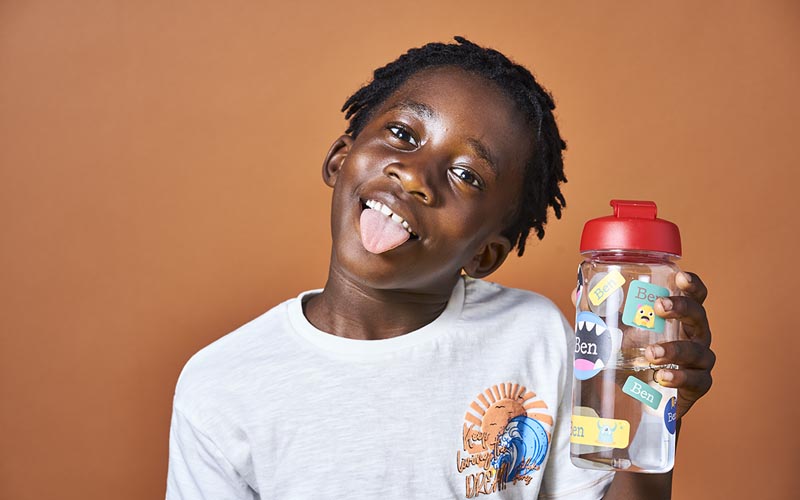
[639, 305]
[671, 414]
[592, 345]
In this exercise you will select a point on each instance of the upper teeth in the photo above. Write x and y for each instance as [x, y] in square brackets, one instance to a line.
[376, 205]
[585, 325]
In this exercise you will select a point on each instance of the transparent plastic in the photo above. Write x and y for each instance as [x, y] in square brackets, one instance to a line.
[621, 397]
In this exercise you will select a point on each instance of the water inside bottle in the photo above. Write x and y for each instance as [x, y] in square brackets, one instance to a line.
[622, 419]
[650, 442]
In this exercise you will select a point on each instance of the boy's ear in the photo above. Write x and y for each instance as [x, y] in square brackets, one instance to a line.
[335, 159]
[489, 258]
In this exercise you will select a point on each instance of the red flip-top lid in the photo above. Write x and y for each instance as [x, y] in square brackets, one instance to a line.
[633, 226]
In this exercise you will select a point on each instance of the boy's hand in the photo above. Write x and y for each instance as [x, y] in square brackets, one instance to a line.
[693, 353]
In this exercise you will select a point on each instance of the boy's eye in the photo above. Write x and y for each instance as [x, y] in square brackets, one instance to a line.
[467, 176]
[403, 134]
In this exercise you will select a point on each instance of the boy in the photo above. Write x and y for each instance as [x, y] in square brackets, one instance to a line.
[407, 376]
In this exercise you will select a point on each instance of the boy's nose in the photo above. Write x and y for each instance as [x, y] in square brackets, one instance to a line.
[414, 181]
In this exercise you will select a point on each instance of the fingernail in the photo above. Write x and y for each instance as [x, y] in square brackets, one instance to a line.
[666, 303]
[656, 351]
[664, 376]
[687, 277]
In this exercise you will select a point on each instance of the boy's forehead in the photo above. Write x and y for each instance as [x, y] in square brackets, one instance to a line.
[450, 82]
[464, 99]
[432, 92]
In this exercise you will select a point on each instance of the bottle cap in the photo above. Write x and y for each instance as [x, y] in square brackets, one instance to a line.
[633, 226]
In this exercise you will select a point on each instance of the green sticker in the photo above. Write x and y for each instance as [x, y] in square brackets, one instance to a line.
[642, 392]
[639, 304]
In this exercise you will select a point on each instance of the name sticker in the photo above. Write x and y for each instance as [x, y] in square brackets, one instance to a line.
[671, 414]
[642, 392]
[594, 431]
[639, 304]
[593, 345]
[612, 282]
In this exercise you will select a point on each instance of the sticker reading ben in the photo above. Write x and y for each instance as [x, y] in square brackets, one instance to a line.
[639, 306]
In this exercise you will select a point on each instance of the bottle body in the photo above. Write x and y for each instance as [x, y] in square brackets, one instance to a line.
[621, 418]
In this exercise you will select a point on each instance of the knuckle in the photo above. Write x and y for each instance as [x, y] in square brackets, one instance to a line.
[712, 359]
[698, 287]
[697, 354]
[679, 378]
[703, 314]
[677, 350]
[679, 305]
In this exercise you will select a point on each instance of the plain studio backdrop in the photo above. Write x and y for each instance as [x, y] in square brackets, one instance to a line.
[160, 185]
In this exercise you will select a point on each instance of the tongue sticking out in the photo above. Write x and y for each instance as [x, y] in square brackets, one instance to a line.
[380, 233]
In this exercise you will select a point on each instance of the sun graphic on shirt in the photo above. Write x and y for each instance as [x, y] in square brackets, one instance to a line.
[495, 407]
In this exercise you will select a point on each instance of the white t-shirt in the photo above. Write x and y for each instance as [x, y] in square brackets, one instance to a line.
[475, 403]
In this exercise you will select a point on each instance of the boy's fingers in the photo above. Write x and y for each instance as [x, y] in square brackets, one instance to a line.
[685, 309]
[690, 313]
[683, 353]
[692, 383]
[575, 296]
[692, 286]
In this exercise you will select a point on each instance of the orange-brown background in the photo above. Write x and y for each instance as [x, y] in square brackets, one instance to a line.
[160, 186]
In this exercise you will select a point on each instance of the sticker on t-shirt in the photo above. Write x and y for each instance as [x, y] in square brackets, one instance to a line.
[506, 436]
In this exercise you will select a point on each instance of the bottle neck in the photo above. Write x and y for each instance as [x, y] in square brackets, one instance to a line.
[639, 256]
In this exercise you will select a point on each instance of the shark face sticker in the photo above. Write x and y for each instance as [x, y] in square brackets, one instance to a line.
[593, 345]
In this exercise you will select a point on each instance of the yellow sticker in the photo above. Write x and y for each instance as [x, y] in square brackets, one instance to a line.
[606, 287]
[606, 432]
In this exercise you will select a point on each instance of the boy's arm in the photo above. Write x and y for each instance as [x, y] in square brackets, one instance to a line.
[627, 485]
[198, 469]
[693, 379]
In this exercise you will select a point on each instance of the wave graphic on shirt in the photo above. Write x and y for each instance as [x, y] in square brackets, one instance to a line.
[521, 448]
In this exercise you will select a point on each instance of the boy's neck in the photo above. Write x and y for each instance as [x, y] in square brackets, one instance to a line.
[351, 310]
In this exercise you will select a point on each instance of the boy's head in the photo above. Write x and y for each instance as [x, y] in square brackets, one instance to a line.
[544, 170]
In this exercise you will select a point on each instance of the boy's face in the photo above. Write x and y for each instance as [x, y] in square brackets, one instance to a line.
[446, 153]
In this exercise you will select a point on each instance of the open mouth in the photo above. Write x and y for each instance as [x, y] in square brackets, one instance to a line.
[385, 210]
[382, 229]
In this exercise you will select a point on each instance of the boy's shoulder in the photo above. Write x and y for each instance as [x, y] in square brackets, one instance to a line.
[219, 368]
[489, 298]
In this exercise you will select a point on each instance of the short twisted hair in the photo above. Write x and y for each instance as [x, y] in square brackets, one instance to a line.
[544, 172]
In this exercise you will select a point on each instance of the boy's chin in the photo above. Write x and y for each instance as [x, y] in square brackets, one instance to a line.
[396, 269]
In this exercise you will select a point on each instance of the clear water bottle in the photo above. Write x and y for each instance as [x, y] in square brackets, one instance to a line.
[621, 418]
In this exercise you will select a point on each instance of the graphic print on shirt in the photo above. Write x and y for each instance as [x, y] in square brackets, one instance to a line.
[505, 437]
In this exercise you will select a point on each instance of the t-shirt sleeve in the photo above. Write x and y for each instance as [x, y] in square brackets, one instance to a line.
[562, 480]
[198, 470]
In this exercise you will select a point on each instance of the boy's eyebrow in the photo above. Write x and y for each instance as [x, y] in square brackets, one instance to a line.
[416, 107]
[482, 152]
